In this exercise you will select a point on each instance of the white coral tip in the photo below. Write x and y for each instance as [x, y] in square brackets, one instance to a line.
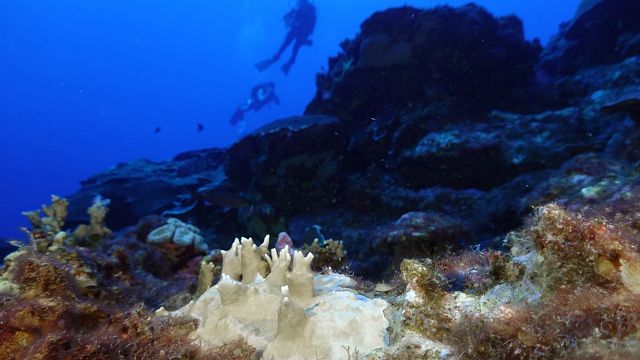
[308, 258]
[265, 242]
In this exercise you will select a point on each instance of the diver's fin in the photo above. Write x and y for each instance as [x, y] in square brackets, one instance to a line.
[264, 65]
[286, 68]
[237, 117]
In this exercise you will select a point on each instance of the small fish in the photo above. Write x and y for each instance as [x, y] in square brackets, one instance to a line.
[200, 127]
[156, 130]
[15, 243]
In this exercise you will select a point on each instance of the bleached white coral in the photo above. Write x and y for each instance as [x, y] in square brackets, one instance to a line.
[291, 314]
[179, 233]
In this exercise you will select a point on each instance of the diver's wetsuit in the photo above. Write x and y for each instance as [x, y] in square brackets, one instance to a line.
[261, 95]
[301, 21]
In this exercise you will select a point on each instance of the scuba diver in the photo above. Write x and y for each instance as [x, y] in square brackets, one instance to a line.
[261, 95]
[301, 20]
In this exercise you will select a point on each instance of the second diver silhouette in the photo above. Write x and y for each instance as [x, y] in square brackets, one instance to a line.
[300, 21]
[261, 95]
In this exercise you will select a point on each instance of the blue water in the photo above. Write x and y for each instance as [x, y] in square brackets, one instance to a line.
[83, 84]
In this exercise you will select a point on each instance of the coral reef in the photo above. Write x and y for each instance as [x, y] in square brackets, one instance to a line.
[96, 231]
[54, 306]
[471, 171]
[568, 287]
[115, 269]
[53, 328]
[47, 232]
[55, 215]
[485, 191]
[459, 58]
[605, 33]
[62, 300]
[289, 314]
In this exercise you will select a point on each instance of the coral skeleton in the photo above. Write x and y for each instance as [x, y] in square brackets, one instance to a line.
[283, 309]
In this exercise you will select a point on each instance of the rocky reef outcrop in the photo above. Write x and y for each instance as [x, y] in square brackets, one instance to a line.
[603, 32]
[144, 187]
[451, 61]
[440, 112]
[73, 294]
[492, 185]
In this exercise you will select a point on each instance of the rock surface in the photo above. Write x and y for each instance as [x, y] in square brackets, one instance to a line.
[432, 112]
[605, 33]
[452, 61]
[144, 187]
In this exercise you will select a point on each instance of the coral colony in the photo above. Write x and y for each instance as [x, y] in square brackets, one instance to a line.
[489, 210]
